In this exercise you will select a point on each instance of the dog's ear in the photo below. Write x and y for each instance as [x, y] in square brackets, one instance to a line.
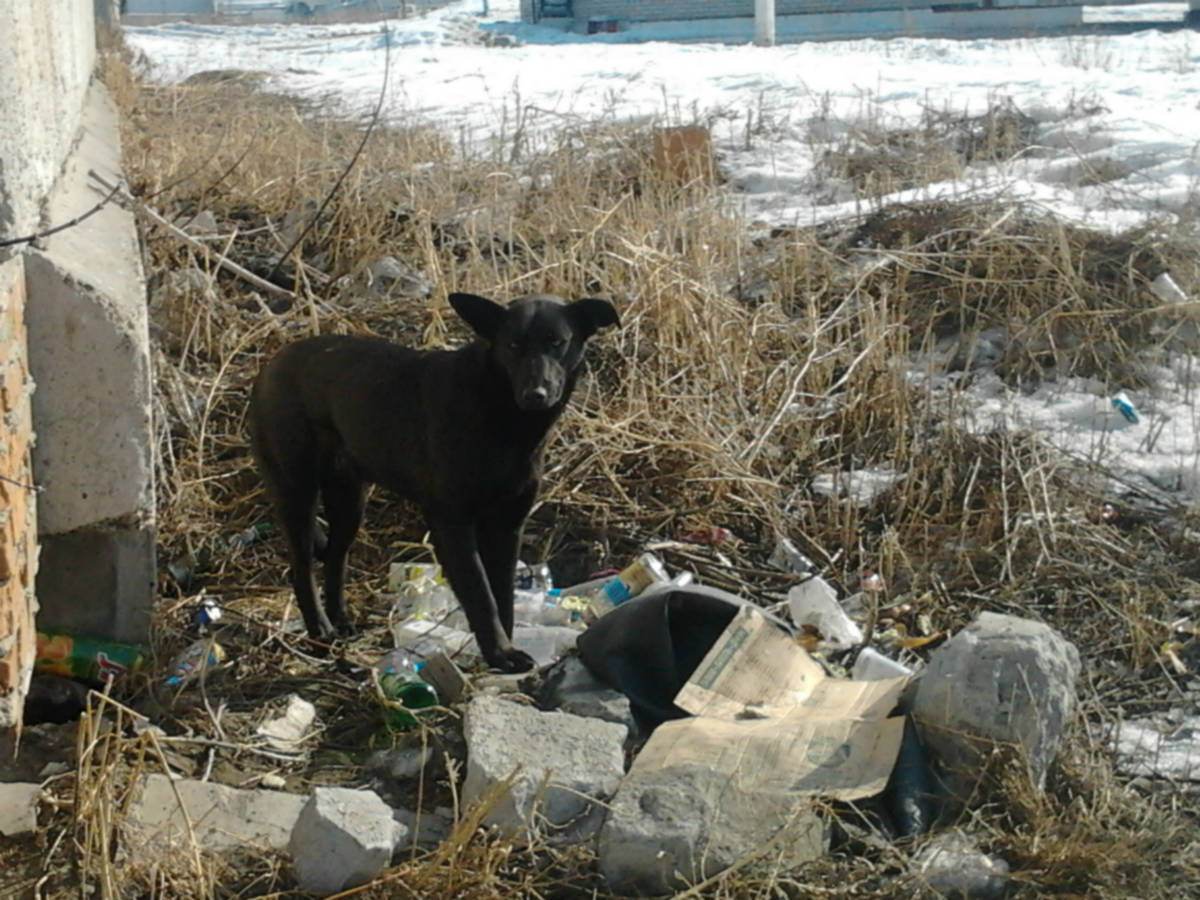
[590, 315]
[482, 314]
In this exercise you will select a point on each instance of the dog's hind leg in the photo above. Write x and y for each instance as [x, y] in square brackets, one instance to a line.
[343, 497]
[297, 507]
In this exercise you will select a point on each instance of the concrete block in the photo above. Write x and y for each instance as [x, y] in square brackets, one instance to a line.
[221, 817]
[1001, 680]
[18, 808]
[343, 838]
[670, 828]
[97, 581]
[562, 766]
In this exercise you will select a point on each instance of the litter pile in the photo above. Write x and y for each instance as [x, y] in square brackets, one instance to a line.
[750, 747]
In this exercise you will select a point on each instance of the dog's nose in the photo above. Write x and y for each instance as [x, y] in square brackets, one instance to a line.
[537, 398]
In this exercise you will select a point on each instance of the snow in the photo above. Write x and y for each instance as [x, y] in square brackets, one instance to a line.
[1129, 102]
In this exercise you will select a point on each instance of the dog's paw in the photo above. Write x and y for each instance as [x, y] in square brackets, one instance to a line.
[511, 660]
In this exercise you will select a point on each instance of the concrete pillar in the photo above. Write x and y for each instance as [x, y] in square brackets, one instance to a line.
[89, 354]
[764, 23]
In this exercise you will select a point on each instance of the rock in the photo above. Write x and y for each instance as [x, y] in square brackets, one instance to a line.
[425, 830]
[18, 808]
[562, 766]
[1002, 680]
[569, 686]
[389, 275]
[669, 828]
[221, 816]
[343, 838]
[1172, 751]
[400, 764]
[954, 866]
[287, 731]
[202, 223]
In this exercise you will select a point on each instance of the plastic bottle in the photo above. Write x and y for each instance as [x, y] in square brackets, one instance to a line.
[195, 658]
[400, 681]
[86, 658]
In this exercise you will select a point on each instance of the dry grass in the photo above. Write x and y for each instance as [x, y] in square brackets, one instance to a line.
[745, 364]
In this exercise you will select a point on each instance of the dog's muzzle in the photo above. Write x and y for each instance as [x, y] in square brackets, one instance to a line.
[540, 385]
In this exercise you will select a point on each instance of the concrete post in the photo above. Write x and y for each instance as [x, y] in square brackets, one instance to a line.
[764, 23]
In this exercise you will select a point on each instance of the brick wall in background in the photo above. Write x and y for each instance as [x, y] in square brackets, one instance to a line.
[18, 526]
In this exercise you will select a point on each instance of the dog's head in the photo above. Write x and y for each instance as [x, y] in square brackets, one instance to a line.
[537, 340]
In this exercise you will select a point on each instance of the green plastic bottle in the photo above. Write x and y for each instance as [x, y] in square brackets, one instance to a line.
[399, 680]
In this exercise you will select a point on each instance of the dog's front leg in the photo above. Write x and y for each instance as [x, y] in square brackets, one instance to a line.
[457, 548]
[499, 536]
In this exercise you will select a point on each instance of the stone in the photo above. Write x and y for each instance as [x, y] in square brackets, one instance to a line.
[201, 224]
[1002, 680]
[342, 839]
[428, 829]
[569, 686]
[18, 808]
[389, 276]
[954, 866]
[562, 767]
[221, 817]
[398, 764]
[670, 828]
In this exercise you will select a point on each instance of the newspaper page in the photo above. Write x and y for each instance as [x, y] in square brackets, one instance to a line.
[842, 759]
[768, 717]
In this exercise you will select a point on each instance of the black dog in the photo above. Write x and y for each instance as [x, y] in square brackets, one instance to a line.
[458, 431]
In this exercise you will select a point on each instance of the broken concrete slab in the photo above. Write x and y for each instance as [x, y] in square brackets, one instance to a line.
[953, 865]
[221, 817]
[569, 686]
[562, 767]
[18, 808]
[670, 828]
[343, 838]
[1001, 680]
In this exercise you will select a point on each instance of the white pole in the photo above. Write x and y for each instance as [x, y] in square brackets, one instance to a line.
[764, 23]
